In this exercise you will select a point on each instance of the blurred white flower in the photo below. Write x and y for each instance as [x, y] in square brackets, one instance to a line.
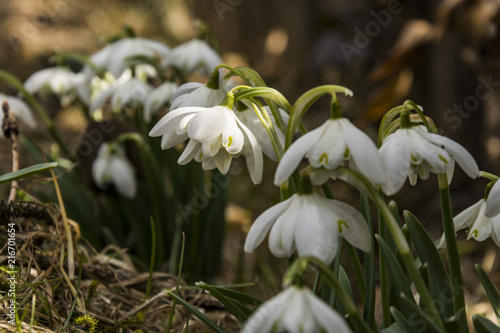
[215, 134]
[310, 224]
[295, 310]
[57, 80]
[252, 121]
[157, 98]
[413, 151]
[195, 55]
[112, 166]
[328, 146]
[115, 58]
[131, 93]
[21, 110]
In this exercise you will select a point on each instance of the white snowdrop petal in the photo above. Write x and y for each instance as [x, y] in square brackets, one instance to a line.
[263, 224]
[493, 202]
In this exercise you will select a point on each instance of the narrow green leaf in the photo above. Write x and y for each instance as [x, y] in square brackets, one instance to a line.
[240, 311]
[195, 312]
[403, 323]
[483, 325]
[394, 328]
[26, 172]
[490, 289]
[426, 249]
[239, 296]
[397, 277]
[346, 285]
[419, 317]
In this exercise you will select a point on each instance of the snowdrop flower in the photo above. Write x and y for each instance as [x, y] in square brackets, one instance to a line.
[295, 309]
[20, 108]
[157, 98]
[195, 55]
[215, 134]
[57, 80]
[413, 151]
[252, 121]
[310, 224]
[130, 93]
[112, 166]
[328, 146]
[479, 225]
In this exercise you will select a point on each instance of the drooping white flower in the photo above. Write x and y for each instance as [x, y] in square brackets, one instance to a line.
[57, 80]
[129, 93]
[493, 202]
[157, 98]
[252, 121]
[328, 146]
[295, 310]
[479, 225]
[310, 224]
[112, 166]
[21, 110]
[411, 151]
[195, 55]
[215, 134]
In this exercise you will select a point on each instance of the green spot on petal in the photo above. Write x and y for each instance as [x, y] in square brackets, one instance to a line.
[341, 226]
[229, 141]
[414, 159]
[323, 159]
[443, 159]
[474, 233]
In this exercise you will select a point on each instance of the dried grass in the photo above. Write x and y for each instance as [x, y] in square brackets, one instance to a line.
[107, 294]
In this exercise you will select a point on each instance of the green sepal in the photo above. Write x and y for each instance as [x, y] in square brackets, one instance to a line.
[26, 172]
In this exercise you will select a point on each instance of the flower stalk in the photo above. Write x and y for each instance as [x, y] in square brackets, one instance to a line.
[451, 246]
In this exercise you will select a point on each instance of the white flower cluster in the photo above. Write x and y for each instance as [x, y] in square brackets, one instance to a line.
[118, 82]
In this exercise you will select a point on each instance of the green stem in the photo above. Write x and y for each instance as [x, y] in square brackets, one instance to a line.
[384, 281]
[358, 270]
[451, 245]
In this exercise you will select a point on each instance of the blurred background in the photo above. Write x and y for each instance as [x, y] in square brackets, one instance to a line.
[444, 55]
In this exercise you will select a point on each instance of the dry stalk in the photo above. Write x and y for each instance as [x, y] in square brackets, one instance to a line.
[10, 131]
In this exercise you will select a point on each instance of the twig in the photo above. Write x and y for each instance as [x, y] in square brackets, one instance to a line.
[9, 130]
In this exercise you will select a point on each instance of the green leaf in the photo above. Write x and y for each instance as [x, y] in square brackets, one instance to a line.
[346, 285]
[483, 325]
[240, 311]
[394, 328]
[420, 317]
[440, 287]
[236, 295]
[403, 323]
[195, 312]
[490, 289]
[26, 172]
[397, 276]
